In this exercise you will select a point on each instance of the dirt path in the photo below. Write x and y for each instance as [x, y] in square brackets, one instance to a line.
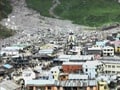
[51, 10]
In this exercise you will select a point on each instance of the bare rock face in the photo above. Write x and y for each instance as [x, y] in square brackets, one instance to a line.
[118, 1]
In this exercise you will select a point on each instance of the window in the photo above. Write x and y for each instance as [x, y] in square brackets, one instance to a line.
[118, 66]
[40, 88]
[96, 69]
[113, 71]
[64, 76]
[53, 77]
[49, 88]
[109, 71]
[105, 87]
[113, 66]
[86, 70]
[104, 53]
[110, 53]
[104, 49]
[118, 72]
[109, 66]
[106, 71]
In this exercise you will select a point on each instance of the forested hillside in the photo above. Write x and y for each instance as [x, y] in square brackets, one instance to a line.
[5, 9]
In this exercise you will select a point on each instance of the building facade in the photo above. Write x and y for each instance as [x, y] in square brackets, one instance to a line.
[112, 67]
[70, 67]
[92, 68]
[108, 51]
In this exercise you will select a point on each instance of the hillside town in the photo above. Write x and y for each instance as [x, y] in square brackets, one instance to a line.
[52, 54]
[65, 63]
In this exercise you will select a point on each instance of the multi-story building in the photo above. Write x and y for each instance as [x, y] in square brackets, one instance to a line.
[108, 51]
[92, 68]
[70, 67]
[111, 66]
[66, 85]
[95, 50]
[62, 85]
[55, 72]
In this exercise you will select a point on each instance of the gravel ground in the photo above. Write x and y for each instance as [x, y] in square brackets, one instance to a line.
[33, 27]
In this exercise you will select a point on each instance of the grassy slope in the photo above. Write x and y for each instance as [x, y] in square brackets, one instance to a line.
[4, 32]
[85, 12]
[41, 6]
[89, 12]
[5, 9]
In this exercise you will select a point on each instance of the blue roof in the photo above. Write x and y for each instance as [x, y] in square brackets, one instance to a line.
[8, 66]
[40, 82]
[101, 43]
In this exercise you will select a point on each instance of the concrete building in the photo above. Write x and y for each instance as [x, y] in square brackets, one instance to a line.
[77, 77]
[27, 74]
[108, 51]
[62, 85]
[116, 45]
[9, 85]
[92, 68]
[13, 49]
[55, 72]
[95, 50]
[102, 85]
[101, 43]
[71, 67]
[9, 51]
[63, 76]
[111, 67]
[73, 58]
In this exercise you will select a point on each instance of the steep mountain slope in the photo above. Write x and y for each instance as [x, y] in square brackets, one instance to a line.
[83, 12]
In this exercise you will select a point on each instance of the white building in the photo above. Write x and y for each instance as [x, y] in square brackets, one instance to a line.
[27, 75]
[92, 68]
[10, 51]
[55, 72]
[77, 77]
[111, 67]
[108, 51]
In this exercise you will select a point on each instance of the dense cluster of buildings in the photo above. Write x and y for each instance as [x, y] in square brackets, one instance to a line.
[44, 56]
[69, 65]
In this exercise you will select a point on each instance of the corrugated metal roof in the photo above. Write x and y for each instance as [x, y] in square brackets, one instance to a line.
[72, 63]
[111, 62]
[46, 51]
[74, 57]
[67, 83]
[111, 58]
[40, 82]
[77, 77]
[81, 57]
[95, 48]
[9, 85]
[92, 64]
[76, 83]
